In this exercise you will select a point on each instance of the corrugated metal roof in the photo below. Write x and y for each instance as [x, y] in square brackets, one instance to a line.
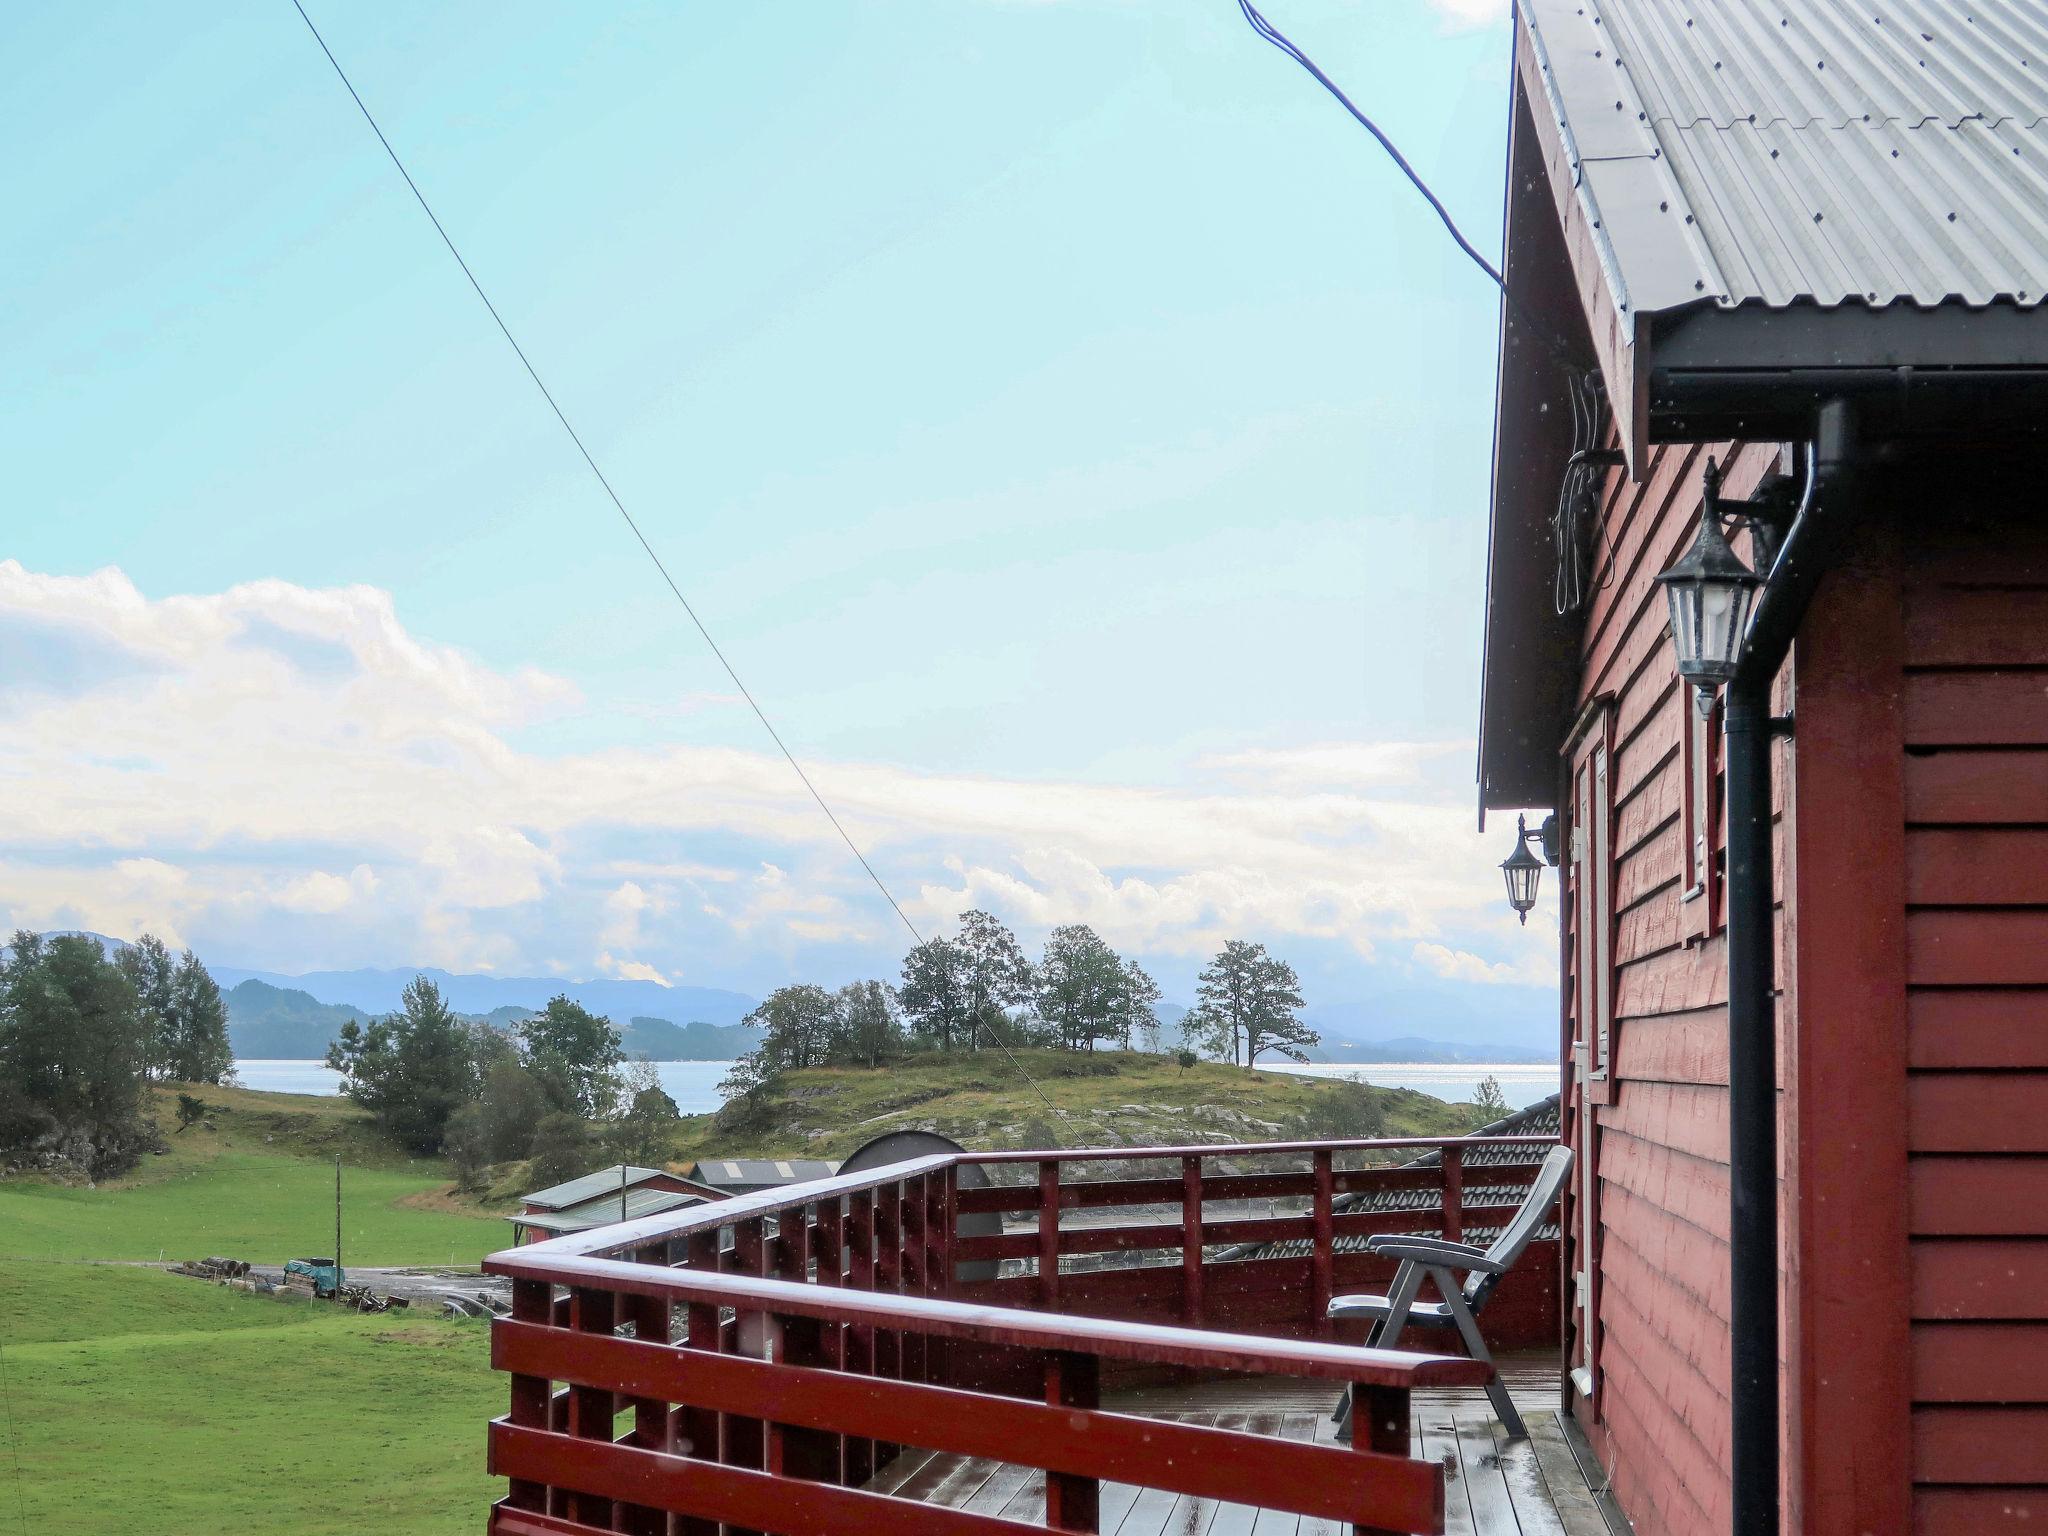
[725, 1172]
[1818, 150]
[591, 1184]
[604, 1210]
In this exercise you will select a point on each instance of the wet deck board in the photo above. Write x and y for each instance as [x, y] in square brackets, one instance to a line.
[1493, 1486]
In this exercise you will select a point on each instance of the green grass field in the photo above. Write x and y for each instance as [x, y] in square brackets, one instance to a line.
[143, 1401]
[257, 1185]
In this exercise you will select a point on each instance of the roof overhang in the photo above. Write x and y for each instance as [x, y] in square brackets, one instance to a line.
[1694, 370]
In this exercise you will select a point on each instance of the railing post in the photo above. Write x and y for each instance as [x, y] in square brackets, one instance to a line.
[652, 1423]
[861, 1455]
[743, 1441]
[1048, 1233]
[916, 1280]
[700, 1432]
[1379, 1422]
[532, 1302]
[1072, 1502]
[810, 1454]
[1454, 1193]
[1323, 1255]
[1191, 1241]
[591, 1408]
[941, 1226]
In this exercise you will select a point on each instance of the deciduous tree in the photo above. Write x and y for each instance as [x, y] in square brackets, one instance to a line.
[1250, 1004]
[995, 975]
[412, 1069]
[75, 1046]
[576, 1054]
[868, 1024]
[934, 992]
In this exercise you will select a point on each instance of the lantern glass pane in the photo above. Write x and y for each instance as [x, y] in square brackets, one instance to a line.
[1522, 880]
[1685, 629]
[1718, 605]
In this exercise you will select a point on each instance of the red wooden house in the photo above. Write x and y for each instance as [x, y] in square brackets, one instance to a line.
[1803, 1276]
[1805, 916]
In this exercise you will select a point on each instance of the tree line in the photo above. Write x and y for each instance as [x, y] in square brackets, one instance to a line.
[81, 1037]
[979, 989]
[554, 1088]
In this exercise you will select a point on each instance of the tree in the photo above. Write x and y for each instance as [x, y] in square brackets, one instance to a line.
[195, 1048]
[934, 992]
[412, 1069]
[75, 1048]
[564, 1148]
[576, 1054]
[995, 976]
[508, 1106]
[1491, 1103]
[148, 965]
[1249, 1002]
[797, 1026]
[869, 1026]
[643, 1132]
[191, 1111]
[1086, 993]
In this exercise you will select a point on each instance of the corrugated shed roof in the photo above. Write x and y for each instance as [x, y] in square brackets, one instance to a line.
[1739, 151]
[575, 1191]
[604, 1210]
[726, 1171]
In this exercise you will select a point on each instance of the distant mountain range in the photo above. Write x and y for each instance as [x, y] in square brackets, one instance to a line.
[273, 1023]
[273, 1016]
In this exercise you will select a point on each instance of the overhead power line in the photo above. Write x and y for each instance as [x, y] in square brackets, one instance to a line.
[613, 496]
[1564, 353]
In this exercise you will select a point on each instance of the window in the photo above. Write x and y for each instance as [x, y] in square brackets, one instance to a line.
[1593, 892]
[1700, 822]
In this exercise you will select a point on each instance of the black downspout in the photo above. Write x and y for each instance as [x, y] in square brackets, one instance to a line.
[1752, 1115]
[1752, 1009]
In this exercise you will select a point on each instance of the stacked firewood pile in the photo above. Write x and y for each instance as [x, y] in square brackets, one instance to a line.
[212, 1269]
[363, 1299]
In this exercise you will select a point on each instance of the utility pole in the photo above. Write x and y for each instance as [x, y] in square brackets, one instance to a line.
[337, 1226]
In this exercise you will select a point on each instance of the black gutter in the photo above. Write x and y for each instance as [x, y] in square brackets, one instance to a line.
[1808, 550]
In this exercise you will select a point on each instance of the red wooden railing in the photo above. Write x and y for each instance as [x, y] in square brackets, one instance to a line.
[785, 1345]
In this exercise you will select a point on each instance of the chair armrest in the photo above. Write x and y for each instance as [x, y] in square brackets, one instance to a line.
[1433, 1250]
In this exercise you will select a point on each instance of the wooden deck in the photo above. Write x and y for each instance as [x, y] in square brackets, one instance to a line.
[1546, 1485]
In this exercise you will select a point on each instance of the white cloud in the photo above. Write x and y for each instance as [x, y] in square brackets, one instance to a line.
[1461, 15]
[319, 891]
[245, 747]
[628, 970]
[1457, 965]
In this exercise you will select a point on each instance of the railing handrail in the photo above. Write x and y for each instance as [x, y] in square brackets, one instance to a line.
[1149, 1343]
[619, 1237]
[1252, 1149]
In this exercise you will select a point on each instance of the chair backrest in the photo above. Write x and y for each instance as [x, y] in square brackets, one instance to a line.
[1515, 1236]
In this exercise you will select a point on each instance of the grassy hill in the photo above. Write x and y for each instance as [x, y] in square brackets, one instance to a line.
[1110, 1098]
[147, 1402]
[255, 1182]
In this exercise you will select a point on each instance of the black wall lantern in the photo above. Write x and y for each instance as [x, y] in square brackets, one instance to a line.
[1710, 591]
[1522, 870]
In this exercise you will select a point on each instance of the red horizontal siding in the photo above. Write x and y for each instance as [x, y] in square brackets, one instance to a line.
[1997, 1280]
[1978, 1027]
[1977, 709]
[1980, 1511]
[1980, 1362]
[1978, 1197]
[1981, 1444]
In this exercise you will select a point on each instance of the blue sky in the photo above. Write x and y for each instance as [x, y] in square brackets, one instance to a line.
[1064, 416]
